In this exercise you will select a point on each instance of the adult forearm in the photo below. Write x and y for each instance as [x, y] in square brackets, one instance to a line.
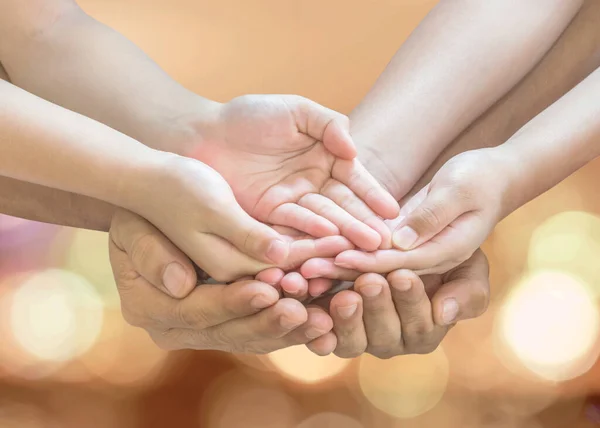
[462, 58]
[572, 58]
[39, 203]
[90, 68]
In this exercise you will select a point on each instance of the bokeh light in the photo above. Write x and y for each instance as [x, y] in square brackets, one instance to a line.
[124, 355]
[56, 315]
[551, 322]
[88, 257]
[236, 400]
[569, 242]
[404, 387]
[299, 364]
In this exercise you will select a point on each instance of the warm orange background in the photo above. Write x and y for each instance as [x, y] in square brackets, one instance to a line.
[331, 51]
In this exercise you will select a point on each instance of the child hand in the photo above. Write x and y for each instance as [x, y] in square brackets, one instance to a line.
[196, 209]
[448, 220]
[281, 153]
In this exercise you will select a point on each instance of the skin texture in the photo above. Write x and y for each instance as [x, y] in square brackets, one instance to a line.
[156, 118]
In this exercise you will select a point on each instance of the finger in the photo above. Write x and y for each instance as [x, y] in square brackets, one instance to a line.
[213, 304]
[414, 308]
[302, 219]
[448, 249]
[318, 286]
[225, 263]
[408, 204]
[324, 345]
[465, 294]
[382, 324]
[354, 175]
[251, 237]
[246, 334]
[318, 324]
[306, 249]
[295, 286]
[440, 208]
[326, 125]
[272, 276]
[352, 204]
[346, 311]
[141, 248]
[357, 232]
[326, 268]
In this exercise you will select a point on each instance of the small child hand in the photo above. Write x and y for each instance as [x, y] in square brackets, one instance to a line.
[448, 220]
[196, 209]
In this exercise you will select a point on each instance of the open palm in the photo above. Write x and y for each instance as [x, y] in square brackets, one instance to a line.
[281, 153]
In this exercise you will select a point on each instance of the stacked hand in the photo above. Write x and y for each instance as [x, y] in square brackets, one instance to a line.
[266, 160]
[275, 191]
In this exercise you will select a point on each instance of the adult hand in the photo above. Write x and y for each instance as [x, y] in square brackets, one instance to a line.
[157, 285]
[281, 153]
[404, 314]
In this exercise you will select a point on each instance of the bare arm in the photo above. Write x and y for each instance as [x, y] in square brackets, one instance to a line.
[461, 59]
[40, 203]
[92, 69]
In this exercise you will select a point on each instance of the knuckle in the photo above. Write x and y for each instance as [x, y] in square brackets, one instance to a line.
[382, 351]
[431, 216]
[142, 247]
[345, 351]
[417, 332]
[190, 319]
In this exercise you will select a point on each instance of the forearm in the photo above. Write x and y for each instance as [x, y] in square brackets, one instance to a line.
[463, 57]
[572, 58]
[39, 203]
[558, 142]
[47, 145]
[94, 70]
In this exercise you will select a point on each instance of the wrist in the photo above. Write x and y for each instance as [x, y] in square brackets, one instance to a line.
[386, 167]
[138, 184]
[507, 165]
[186, 133]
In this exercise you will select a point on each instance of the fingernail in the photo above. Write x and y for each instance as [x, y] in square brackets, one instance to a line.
[313, 333]
[402, 284]
[277, 251]
[261, 301]
[174, 278]
[347, 311]
[449, 311]
[371, 290]
[405, 238]
[288, 323]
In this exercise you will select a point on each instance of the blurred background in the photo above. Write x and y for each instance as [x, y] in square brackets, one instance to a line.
[67, 358]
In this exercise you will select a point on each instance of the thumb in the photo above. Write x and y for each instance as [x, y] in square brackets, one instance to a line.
[251, 237]
[148, 253]
[438, 209]
[328, 126]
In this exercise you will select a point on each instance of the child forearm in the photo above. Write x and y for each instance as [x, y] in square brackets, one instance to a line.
[555, 144]
[47, 145]
[462, 58]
